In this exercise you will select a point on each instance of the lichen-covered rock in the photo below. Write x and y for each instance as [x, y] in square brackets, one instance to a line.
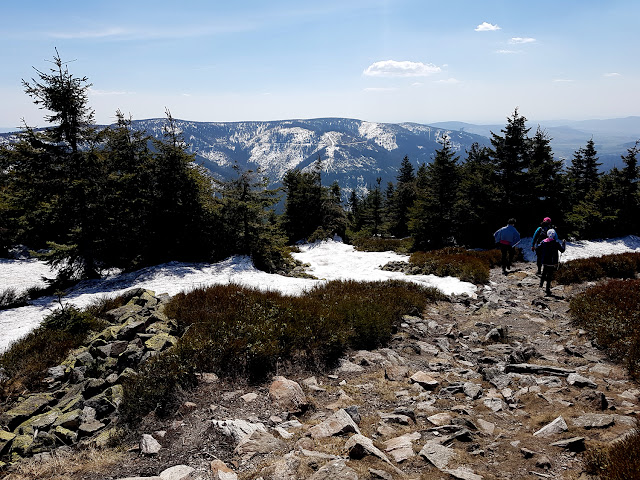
[160, 342]
[69, 420]
[37, 422]
[5, 441]
[22, 444]
[32, 405]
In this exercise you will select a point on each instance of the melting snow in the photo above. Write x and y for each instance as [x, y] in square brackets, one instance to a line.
[330, 260]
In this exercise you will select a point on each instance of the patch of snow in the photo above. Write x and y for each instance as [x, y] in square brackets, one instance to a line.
[588, 248]
[376, 132]
[329, 260]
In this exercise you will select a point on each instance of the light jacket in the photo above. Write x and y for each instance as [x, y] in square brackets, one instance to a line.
[507, 235]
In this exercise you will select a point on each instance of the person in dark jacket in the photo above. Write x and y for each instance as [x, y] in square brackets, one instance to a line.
[547, 251]
[506, 238]
[539, 235]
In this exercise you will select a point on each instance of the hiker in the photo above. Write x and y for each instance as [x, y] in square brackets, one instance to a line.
[507, 237]
[539, 235]
[547, 251]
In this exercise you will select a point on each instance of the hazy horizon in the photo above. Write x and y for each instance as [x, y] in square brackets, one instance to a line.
[382, 61]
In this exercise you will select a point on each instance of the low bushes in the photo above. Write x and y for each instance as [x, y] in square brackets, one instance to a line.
[382, 244]
[623, 265]
[468, 265]
[236, 331]
[611, 313]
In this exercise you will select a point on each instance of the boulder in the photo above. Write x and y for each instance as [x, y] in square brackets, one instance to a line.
[259, 443]
[335, 470]
[594, 420]
[401, 448]
[358, 446]
[237, 429]
[288, 395]
[553, 428]
[149, 445]
[438, 455]
[178, 472]
[5, 441]
[580, 381]
[31, 406]
[339, 423]
[285, 468]
[574, 444]
[220, 471]
[425, 380]
[65, 435]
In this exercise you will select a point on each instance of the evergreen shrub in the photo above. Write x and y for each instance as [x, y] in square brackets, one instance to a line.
[382, 244]
[241, 332]
[467, 265]
[623, 265]
[611, 313]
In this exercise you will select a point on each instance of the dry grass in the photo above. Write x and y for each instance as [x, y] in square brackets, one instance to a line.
[68, 465]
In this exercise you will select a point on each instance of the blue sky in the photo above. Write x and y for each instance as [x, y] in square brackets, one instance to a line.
[377, 60]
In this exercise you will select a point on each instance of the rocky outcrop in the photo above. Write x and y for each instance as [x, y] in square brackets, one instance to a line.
[85, 390]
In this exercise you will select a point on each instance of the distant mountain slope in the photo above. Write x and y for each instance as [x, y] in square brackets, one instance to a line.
[353, 152]
[356, 152]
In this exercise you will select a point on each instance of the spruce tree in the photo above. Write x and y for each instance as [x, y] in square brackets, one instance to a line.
[432, 222]
[510, 154]
[74, 174]
[404, 194]
[248, 226]
[546, 177]
[477, 202]
[630, 192]
[585, 190]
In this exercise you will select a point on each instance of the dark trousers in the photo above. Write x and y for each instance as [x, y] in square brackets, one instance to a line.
[547, 276]
[507, 255]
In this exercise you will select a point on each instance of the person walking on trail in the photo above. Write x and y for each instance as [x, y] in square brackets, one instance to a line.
[539, 235]
[507, 237]
[547, 251]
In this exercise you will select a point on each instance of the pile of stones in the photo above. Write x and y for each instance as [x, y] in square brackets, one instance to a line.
[85, 390]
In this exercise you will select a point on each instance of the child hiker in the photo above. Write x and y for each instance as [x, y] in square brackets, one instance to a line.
[547, 251]
[539, 235]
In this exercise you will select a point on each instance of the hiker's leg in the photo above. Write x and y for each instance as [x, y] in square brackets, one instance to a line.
[503, 250]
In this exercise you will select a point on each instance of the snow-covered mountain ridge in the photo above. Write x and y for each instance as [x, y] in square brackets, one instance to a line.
[354, 152]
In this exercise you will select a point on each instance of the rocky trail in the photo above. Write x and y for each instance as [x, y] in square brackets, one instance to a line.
[501, 386]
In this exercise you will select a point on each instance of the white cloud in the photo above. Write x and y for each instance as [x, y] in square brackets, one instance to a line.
[394, 68]
[612, 74]
[522, 40]
[487, 27]
[380, 89]
[508, 52]
[450, 81]
[110, 32]
[93, 91]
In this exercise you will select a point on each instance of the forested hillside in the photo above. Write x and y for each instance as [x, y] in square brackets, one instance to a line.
[99, 198]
